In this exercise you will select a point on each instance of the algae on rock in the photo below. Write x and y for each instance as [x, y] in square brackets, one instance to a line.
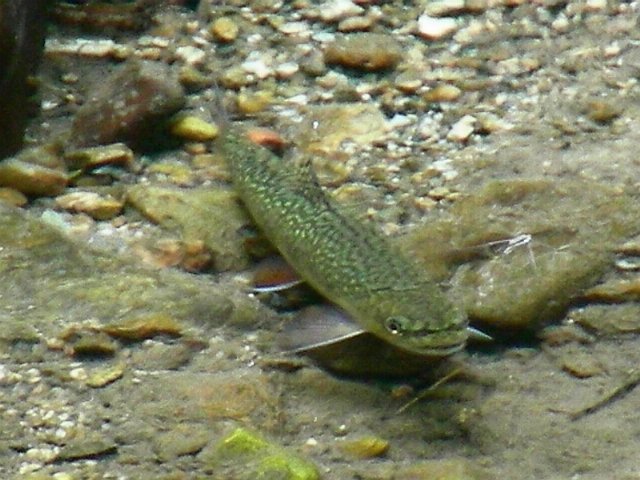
[212, 215]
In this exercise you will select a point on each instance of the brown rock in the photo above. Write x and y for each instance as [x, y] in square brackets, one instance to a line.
[31, 179]
[364, 51]
[132, 106]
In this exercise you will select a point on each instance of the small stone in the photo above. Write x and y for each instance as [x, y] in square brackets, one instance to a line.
[408, 81]
[603, 111]
[616, 291]
[191, 55]
[224, 29]
[93, 344]
[439, 193]
[94, 157]
[139, 328]
[361, 123]
[99, 207]
[31, 179]
[431, 28]
[462, 129]
[336, 10]
[356, 24]
[12, 197]
[608, 319]
[250, 103]
[193, 79]
[595, 5]
[194, 129]
[181, 440]
[581, 365]
[86, 446]
[364, 51]
[439, 8]
[104, 376]
[261, 458]
[174, 171]
[287, 70]
[365, 447]
[491, 123]
[258, 65]
[443, 93]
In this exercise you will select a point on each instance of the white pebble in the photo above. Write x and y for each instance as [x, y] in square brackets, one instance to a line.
[287, 70]
[337, 10]
[40, 454]
[462, 129]
[78, 373]
[190, 55]
[595, 5]
[257, 67]
[431, 28]
[444, 7]
[298, 29]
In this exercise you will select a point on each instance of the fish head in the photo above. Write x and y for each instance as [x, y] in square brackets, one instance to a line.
[421, 321]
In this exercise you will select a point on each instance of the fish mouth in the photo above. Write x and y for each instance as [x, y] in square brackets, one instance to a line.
[440, 344]
[442, 351]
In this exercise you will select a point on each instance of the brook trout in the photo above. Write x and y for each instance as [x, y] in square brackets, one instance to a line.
[347, 261]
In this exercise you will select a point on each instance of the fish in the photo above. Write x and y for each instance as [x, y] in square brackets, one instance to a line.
[348, 261]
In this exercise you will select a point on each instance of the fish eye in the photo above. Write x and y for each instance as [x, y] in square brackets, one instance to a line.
[395, 325]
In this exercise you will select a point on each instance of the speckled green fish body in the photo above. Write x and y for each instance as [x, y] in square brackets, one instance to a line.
[346, 261]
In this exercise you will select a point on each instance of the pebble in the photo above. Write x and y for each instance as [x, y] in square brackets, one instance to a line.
[132, 105]
[361, 123]
[194, 129]
[99, 207]
[356, 24]
[365, 447]
[336, 10]
[256, 64]
[581, 364]
[364, 51]
[31, 179]
[224, 29]
[191, 55]
[253, 102]
[608, 319]
[13, 197]
[462, 129]
[94, 157]
[615, 291]
[603, 111]
[145, 326]
[432, 28]
[408, 81]
[104, 376]
[439, 8]
[443, 93]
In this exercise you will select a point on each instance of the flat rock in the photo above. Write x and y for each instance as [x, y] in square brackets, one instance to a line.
[56, 283]
[31, 179]
[566, 229]
[211, 215]
[360, 123]
[364, 51]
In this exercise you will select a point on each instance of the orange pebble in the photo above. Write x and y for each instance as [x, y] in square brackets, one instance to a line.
[266, 138]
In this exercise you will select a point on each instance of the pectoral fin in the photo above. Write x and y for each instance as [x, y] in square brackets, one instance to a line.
[318, 326]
